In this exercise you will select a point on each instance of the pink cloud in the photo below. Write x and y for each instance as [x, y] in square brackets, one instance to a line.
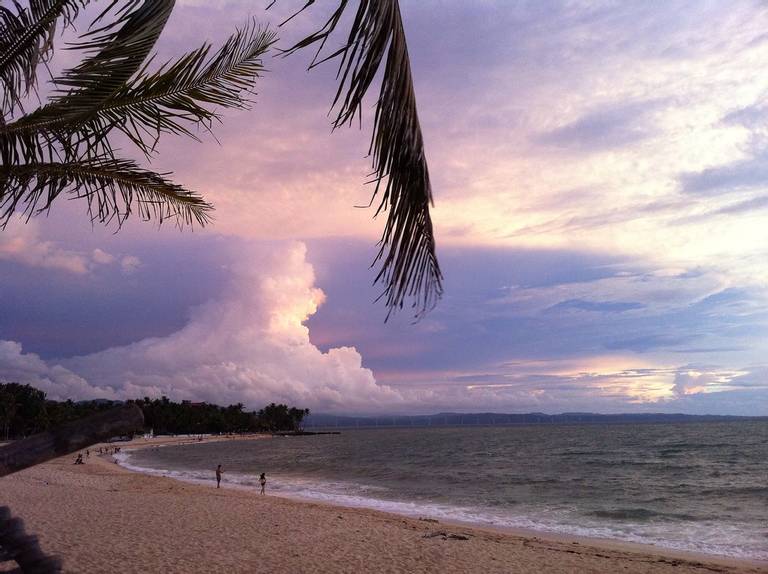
[250, 345]
[21, 243]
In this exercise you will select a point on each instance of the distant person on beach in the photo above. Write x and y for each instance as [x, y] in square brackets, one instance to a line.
[219, 470]
[79, 459]
[87, 454]
[263, 482]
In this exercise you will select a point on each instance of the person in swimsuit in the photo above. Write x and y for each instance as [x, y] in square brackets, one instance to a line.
[219, 470]
[263, 482]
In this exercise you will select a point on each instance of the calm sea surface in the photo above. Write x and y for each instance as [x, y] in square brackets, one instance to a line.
[695, 486]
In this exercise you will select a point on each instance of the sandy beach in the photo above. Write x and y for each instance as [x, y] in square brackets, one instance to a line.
[100, 517]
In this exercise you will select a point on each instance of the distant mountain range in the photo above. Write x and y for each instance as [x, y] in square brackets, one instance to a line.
[493, 419]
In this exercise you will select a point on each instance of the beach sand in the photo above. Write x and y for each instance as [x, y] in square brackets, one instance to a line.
[101, 518]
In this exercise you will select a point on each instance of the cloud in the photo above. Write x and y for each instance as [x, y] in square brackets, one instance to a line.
[509, 304]
[692, 382]
[694, 379]
[21, 243]
[56, 381]
[598, 306]
[605, 384]
[102, 257]
[250, 346]
[736, 176]
[130, 263]
[603, 129]
[755, 377]
[746, 173]
[543, 225]
[753, 117]
[752, 205]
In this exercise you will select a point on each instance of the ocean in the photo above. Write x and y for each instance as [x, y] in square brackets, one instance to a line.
[697, 486]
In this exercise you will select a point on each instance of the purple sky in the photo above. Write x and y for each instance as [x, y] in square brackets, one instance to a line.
[601, 185]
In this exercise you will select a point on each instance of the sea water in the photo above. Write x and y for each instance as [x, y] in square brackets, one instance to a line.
[696, 486]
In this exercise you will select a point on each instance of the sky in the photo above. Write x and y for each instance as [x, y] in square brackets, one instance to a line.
[600, 173]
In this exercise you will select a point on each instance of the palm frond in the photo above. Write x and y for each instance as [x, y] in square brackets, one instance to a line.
[180, 95]
[26, 38]
[112, 188]
[407, 259]
[115, 52]
[172, 100]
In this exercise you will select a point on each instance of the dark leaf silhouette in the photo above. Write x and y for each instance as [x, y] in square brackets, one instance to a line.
[407, 258]
[64, 147]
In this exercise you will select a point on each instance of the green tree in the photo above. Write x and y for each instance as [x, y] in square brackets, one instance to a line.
[7, 412]
[278, 417]
[64, 147]
[22, 410]
[297, 417]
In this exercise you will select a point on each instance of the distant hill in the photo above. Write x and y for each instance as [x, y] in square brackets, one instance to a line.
[496, 419]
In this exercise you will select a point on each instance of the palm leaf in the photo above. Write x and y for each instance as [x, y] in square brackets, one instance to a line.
[407, 258]
[174, 99]
[117, 50]
[115, 53]
[112, 188]
[171, 100]
[26, 38]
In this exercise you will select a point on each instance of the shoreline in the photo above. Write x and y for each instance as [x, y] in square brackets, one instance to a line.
[103, 517]
[519, 532]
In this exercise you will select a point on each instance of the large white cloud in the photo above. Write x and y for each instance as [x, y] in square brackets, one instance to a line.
[53, 379]
[248, 346]
[251, 345]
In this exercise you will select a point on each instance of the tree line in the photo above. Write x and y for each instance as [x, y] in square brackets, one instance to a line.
[25, 410]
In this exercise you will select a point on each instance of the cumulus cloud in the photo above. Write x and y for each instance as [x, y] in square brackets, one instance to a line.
[251, 345]
[102, 257]
[24, 243]
[248, 346]
[56, 381]
[130, 263]
[21, 243]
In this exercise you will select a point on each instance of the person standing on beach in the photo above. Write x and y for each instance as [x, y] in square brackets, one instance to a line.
[263, 482]
[219, 470]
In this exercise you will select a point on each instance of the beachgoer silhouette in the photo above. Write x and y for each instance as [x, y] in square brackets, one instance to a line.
[263, 482]
[219, 470]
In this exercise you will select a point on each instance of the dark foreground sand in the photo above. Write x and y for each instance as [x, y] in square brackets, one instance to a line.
[102, 518]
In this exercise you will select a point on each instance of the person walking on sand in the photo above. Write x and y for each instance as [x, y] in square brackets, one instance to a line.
[219, 470]
[262, 482]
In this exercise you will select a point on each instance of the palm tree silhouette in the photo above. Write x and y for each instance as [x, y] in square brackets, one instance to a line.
[63, 147]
